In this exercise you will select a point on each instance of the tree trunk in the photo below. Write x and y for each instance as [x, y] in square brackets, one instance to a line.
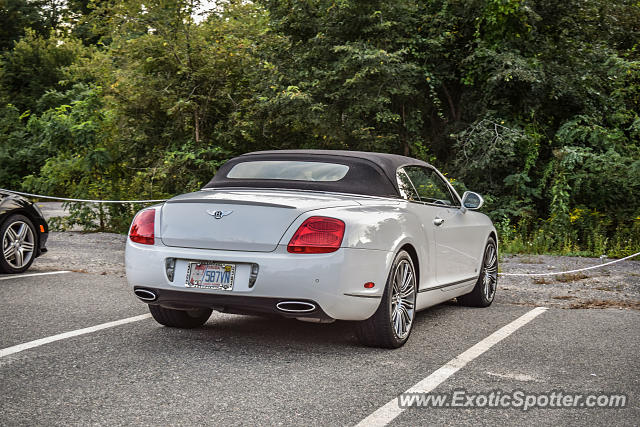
[196, 120]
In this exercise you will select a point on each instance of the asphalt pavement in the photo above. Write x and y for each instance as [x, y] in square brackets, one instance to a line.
[246, 370]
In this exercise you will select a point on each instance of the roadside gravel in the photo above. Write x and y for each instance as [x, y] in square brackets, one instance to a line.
[616, 285]
[99, 253]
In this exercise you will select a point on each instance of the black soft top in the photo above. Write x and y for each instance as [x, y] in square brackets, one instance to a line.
[372, 174]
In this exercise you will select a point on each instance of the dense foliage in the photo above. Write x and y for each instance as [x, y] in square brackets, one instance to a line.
[533, 103]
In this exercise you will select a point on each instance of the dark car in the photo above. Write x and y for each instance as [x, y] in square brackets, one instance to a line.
[23, 231]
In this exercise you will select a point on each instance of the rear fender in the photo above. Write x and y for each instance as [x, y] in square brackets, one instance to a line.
[386, 227]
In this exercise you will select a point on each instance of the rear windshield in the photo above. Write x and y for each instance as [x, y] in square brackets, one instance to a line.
[289, 170]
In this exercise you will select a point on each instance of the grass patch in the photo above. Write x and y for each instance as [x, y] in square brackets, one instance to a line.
[571, 277]
[529, 260]
[542, 280]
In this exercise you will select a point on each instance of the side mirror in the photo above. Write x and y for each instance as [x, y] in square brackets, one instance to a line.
[471, 200]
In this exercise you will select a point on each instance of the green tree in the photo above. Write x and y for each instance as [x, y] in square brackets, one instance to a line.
[178, 87]
[346, 79]
[16, 16]
[34, 66]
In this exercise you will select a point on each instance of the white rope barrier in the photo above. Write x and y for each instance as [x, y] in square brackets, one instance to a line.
[570, 271]
[39, 196]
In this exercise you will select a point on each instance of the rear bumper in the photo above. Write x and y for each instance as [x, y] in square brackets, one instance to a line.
[333, 282]
[229, 303]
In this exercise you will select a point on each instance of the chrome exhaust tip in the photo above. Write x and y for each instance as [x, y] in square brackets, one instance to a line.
[295, 306]
[145, 294]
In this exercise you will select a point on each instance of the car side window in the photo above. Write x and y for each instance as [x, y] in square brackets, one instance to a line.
[406, 187]
[429, 186]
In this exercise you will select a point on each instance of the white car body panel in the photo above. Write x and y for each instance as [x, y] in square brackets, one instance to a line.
[324, 278]
[259, 229]
[188, 220]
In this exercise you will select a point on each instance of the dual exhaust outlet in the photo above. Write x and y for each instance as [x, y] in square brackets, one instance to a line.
[145, 295]
[294, 307]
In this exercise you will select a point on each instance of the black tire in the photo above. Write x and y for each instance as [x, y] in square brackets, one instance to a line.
[180, 318]
[484, 291]
[5, 266]
[379, 330]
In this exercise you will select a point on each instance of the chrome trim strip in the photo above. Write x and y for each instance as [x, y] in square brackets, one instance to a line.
[448, 284]
[231, 202]
[395, 198]
[363, 296]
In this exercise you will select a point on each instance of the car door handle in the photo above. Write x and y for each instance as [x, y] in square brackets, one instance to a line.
[438, 221]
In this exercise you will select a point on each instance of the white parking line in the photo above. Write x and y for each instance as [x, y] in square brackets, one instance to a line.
[42, 341]
[14, 276]
[387, 413]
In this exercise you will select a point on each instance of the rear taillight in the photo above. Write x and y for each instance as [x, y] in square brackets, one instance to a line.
[317, 235]
[142, 227]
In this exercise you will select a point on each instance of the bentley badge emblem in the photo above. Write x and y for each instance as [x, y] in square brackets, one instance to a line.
[219, 214]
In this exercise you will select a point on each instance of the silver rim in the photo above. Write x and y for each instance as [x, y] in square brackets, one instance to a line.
[403, 299]
[18, 244]
[490, 279]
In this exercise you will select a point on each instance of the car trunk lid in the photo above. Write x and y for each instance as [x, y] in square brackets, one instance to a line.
[241, 220]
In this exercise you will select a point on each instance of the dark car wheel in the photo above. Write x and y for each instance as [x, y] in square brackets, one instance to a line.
[19, 243]
[484, 292]
[180, 318]
[391, 324]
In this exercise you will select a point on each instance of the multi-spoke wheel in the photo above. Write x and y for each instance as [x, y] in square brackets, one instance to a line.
[391, 324]
[19, 241]
[403, 299]
[485, 290]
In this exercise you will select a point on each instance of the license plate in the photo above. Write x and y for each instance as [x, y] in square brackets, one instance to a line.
[211, 275]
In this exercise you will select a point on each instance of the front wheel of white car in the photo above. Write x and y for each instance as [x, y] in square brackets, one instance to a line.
[185, 319]
[391, 324]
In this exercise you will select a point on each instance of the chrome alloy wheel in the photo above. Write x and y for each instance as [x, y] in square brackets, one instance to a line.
[18, 244]
[490, 271]
[403, 299]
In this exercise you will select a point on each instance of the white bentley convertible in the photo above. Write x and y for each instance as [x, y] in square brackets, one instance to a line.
[318, 236]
